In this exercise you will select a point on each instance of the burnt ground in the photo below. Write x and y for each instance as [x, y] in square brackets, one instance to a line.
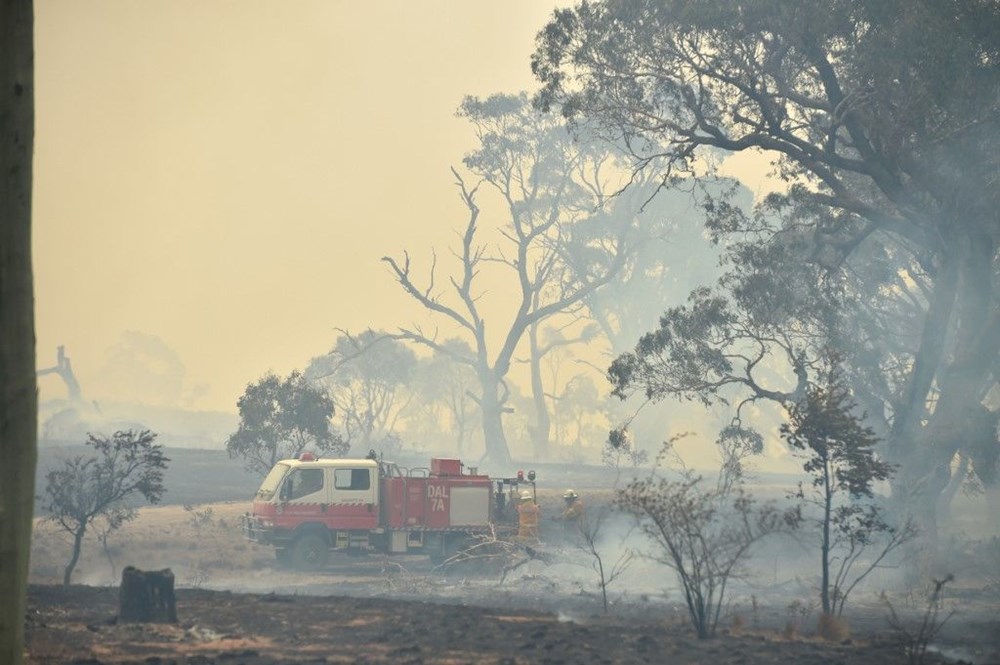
[77, 624]
[236, 606]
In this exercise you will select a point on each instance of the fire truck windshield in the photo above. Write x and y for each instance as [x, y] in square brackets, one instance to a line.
[272, 482]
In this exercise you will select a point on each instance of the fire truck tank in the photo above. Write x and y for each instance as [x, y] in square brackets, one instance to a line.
[443, 499]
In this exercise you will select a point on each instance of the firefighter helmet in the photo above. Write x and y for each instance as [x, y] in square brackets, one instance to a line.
[569, 494]
[526, 495]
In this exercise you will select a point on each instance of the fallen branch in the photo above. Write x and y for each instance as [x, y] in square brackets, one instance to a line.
[489, 548]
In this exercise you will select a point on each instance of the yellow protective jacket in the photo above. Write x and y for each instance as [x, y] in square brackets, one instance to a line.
[573, 512]
[527, 519]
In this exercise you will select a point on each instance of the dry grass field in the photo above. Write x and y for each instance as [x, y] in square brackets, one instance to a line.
[197, 543]
[202, 544]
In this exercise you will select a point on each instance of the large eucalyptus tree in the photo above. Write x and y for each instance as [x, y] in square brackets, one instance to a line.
[885, 119]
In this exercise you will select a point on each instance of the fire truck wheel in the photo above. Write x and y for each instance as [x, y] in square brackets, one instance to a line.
[309, 552]
[284, 556]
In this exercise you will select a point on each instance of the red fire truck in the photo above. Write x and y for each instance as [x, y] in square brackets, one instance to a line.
[308, 507]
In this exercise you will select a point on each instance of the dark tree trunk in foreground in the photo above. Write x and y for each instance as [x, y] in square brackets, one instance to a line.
[18, 396]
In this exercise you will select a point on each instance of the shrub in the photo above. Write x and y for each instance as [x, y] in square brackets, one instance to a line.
[702, 535]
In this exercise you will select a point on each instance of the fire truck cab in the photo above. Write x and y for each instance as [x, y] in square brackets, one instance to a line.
[307, 507]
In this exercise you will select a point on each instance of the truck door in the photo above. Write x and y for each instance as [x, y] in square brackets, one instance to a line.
[355, 498]
[304, 497]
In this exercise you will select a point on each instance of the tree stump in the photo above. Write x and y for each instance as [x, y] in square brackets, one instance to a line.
[147, 596]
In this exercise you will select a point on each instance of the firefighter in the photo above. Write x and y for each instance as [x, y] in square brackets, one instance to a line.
[527, 517]
[572, 514]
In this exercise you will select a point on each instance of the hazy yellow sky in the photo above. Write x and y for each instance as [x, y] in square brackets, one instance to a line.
[226, 174]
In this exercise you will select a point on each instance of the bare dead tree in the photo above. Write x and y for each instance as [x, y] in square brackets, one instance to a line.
[64, 369]
[530, 163]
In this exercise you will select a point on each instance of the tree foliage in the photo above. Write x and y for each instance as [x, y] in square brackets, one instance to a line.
[838, 90]
[124, 467]
[887, 132]
[279, 419]
[763, 330]
[840, 457]
[443, 402]
[670, 256]
[620, 450]
[546, 181]
[736, 444]
[367, 376]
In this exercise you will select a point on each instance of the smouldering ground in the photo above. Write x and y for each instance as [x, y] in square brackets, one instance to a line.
[75, 625]
[368, 609]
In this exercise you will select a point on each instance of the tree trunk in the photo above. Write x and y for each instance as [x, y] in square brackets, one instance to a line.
[492, 411]
[951, 489]
[107, 554]
[825, 547]
[77, 546]
[462, 424]
[540, 433]
[926, 363]
[18, 391]
[927, 471]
